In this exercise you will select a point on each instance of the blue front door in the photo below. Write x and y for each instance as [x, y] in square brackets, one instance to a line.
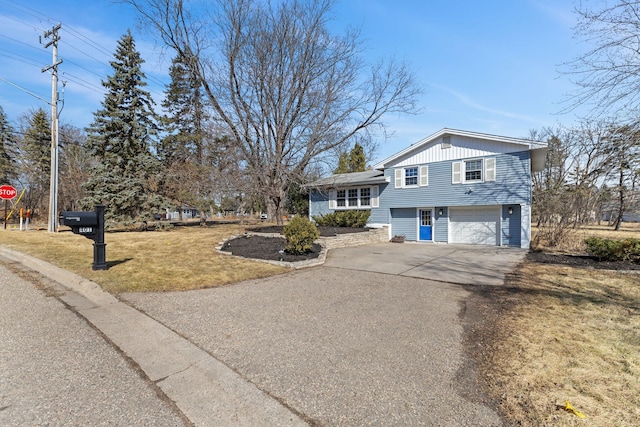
[426, 229]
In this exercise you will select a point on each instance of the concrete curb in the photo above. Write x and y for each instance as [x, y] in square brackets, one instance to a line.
[206, 391]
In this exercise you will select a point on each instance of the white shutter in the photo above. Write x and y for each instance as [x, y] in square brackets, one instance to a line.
[398, 176]
[424, 176]
[374, 197]
[490, 169]
[332, 199]
[456, 172]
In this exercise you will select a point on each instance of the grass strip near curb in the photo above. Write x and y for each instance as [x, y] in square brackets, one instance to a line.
[173, 260]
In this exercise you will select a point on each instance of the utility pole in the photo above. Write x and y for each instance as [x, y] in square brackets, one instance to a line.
[53, 183]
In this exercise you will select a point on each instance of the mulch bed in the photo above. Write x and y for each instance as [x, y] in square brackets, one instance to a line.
[268, 248]
[260, 247]
[580, 261]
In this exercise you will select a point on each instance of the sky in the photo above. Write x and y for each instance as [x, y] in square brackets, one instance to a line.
[490, 66]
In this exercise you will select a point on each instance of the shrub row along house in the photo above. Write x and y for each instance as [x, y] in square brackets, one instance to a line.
[452, 187]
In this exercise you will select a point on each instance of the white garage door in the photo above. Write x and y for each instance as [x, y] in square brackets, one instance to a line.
[477, 225]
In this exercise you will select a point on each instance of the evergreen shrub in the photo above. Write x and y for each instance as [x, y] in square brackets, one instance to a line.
[614, 250]
[350, 218]
[300, 234]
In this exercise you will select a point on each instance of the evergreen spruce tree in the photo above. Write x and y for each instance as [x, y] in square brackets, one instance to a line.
[357, 160]
[343, 163]
[35, 160]
[7, 150]
[182, 151]
[120, 137]
[354, 161]
[186, 116]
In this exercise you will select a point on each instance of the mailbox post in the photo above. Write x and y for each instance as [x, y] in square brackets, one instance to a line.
[91, 226]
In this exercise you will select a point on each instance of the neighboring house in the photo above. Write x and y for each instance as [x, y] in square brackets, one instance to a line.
[186, 211]
[452, 187]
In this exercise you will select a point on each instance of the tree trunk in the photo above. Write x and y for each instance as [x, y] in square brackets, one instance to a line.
[621, 198]
[275, 205]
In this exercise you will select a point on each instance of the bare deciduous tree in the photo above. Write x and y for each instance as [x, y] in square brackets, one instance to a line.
[608, 74]
[285, 88]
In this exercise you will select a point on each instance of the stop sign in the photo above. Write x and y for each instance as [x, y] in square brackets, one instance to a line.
[7, 192]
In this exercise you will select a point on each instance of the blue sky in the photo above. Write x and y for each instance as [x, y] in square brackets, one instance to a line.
[486, 66]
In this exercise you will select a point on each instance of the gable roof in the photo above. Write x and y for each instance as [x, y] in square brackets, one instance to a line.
[525, 143]
[348, 179]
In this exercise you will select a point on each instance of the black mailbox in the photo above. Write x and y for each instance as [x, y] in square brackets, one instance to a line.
[91, 226]
[81, 222]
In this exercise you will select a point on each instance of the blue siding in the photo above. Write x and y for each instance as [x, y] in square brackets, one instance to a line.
[441, 225]
[319, 203]
[511, 228]
[512, 186]
[380, 215]
[404, 222]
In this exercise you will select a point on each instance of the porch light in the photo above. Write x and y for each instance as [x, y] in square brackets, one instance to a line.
[440, 212]
[510, 210]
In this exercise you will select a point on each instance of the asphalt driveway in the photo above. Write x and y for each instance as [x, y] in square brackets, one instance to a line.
[363, 340]
[459, 264]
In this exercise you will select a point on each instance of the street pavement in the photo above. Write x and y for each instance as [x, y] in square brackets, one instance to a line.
[344, 344]
[56, 370]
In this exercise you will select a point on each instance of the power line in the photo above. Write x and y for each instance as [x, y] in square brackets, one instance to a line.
[21, 58]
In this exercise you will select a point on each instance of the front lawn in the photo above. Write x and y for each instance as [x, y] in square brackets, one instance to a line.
[178, 259]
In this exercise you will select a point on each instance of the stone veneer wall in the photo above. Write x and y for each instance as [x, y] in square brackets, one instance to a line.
[374, 235]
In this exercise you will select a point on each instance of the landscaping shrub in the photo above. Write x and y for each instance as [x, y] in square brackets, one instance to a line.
[614, 250]
[300, 234]
[350, 218]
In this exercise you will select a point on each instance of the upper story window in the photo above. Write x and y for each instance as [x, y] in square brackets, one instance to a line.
[410, 176]
[473, 170]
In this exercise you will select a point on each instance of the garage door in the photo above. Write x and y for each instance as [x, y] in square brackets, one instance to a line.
[477, 225]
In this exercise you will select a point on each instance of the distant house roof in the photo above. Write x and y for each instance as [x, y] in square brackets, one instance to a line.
[526, 143]
[349, 179]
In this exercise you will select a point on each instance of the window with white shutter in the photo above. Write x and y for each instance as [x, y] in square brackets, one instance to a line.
[456, 172]
[374, 197]
[424, 176]
[490, 169]
[332, 199]
[354, 198]
[398, 178]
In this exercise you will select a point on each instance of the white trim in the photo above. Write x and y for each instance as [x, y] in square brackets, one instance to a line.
[487, 170]
[527, 144]
[464, 171]
[374, 196]
[525, 226]
[419, 219]
[422, 176]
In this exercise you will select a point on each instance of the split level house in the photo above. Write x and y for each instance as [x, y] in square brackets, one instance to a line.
[452, 187]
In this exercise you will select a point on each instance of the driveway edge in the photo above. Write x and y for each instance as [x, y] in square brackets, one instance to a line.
[204, 389]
